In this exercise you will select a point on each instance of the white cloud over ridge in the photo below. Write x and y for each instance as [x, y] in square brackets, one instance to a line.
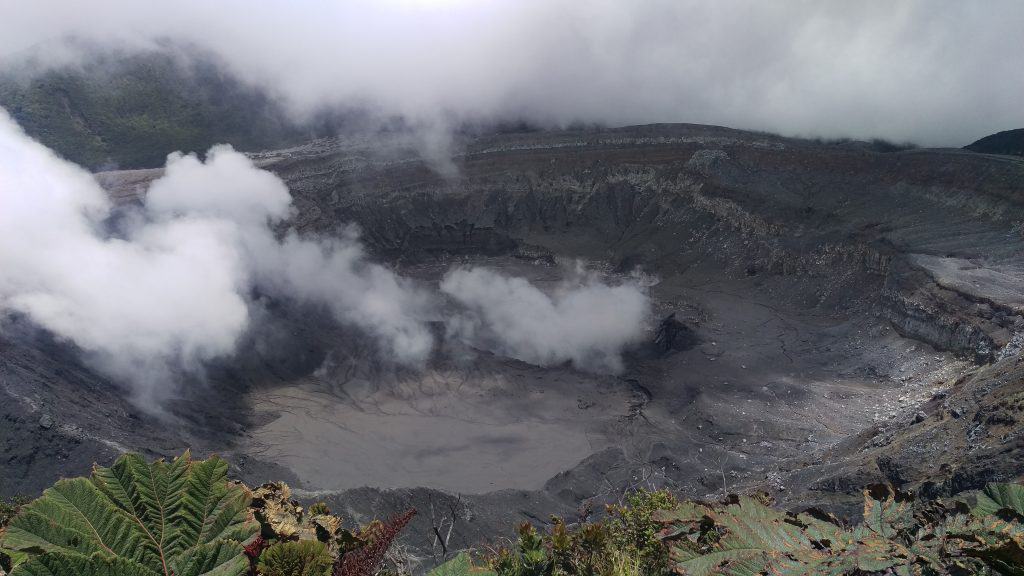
[940, 72]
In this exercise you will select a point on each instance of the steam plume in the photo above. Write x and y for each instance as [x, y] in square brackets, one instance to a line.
[585, 321]
[173, 291]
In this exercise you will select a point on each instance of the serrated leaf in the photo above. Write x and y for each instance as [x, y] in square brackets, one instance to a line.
[884, 513]
[742, 538]
[821, 527]
[732, 562]
[685, 511]
[68, 564]
[996, 497]
[181, 518]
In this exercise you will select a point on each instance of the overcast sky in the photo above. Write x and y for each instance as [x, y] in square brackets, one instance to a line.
[938, 72]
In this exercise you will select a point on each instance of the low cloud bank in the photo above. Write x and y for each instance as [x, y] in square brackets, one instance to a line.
[173, 290]
[938, 72]
[584, 321]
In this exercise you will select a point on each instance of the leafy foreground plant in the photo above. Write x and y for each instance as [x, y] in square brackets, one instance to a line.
[282, 519]
[299, 558]
[461, 565]
[180, 518]
[745, 536]
[379, 536]
[183, 518]
[625, 544]
[9, 509]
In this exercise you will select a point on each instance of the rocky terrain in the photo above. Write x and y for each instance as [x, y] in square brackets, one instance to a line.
[842, 316]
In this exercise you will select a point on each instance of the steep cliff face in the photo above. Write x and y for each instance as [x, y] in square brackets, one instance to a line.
[962, 436]
[931, 240]
[921, 307]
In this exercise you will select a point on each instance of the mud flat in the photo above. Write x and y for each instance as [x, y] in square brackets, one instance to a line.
[456, 444]
[760, 382]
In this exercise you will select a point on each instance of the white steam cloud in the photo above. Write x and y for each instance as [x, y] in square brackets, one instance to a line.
[584, 321]
[174, 290]
[357, 291]
[939, 72]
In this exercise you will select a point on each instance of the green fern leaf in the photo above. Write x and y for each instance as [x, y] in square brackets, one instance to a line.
[63, 565]
[298, 558]
[996, 497]
[886, 512]
[743, 538]
[181, 517]
[461, 565]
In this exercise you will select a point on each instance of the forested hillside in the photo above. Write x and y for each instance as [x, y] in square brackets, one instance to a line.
[130, 111]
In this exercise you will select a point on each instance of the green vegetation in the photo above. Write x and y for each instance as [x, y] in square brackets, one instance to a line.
[186, 518]
[130, 111]
[626, 543]
[181, 517]
[745, 536]
[9, 509]
[299, 558]
[461, 565]
[319, 509]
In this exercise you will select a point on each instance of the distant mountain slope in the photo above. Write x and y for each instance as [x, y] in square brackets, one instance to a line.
[130, 111]
[1008, 142]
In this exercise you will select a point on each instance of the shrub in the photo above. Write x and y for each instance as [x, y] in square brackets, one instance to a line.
[898, 536]
[378, 537]
[626, 543]
[635, 532]
[461, 565]
[319, 509]
[299, 558]
[744, 536]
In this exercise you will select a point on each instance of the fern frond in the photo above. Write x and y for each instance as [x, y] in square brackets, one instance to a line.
[180, 518]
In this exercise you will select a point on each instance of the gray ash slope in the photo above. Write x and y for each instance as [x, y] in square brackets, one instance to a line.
[857, 316]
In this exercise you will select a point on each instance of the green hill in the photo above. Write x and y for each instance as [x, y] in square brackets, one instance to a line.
[131, 110]
[1008, 142]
